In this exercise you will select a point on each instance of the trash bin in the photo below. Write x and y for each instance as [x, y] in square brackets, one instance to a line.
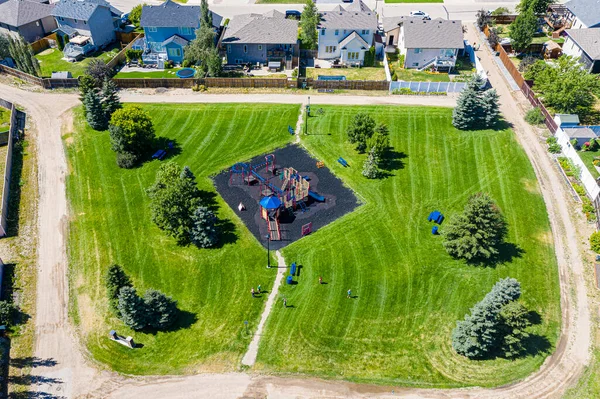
[290, 279]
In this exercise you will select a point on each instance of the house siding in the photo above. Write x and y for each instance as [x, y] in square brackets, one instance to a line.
[235, 51]
[331, 39]
[99, 28]
[32, 31]
[572, 49]
[163, 34]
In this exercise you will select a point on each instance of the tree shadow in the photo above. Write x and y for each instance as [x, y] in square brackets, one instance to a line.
[8, 293]
[536, 344]
[507, 251]
[391, 161]
[227, 233]
[33, 379]
[32, 362]
[184, 321]
[14, 200]
[33, 394]
[170, 145]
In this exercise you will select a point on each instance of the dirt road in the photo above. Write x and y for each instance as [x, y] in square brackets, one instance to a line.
[72, 376]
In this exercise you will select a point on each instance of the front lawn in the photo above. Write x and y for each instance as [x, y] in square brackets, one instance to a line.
[396, 63]
[588, 159]
[51, 61]
[365, 73]
[149, 74]
[408, 291]
[110, 223]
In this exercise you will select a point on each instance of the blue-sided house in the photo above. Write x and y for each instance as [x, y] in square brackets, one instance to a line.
[88, 24]
[168, 28]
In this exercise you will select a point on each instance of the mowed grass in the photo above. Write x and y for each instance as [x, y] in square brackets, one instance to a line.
[51, 60]
[409, 292]
[110, 223]
[365, 73]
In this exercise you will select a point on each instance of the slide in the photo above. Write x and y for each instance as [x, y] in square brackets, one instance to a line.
[316, 196]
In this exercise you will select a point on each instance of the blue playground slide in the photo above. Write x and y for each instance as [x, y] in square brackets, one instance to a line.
[316, 196]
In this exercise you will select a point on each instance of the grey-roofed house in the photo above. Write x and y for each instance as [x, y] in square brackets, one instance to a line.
[583, 134]
[265, 39]
[346, 33]
[391, 28]
[30, 19]
[89, 25]
[584, 44]
[431, 43]
[583, 13]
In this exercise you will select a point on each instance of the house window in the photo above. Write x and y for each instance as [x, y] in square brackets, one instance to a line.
[75, 21]
[185, 30]
[152, 29]
[330, 49]
[174, 52]
[337, 32]
[418, 50]
[260, 47]
[353, 55]
[245, 48]
[322, 32]
[415, 64]
[229, 48]
[239, 61]
[365, 31]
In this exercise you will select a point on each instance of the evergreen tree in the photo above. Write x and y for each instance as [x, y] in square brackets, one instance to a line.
[204, 231]
[174, 198]
[205, 14]
[115, 280]
[514, 318]
[522, 30]
[380, 141]
[482, 18]
[491, 108]
[93, 111]
[476, 233]
[371, 166]
[21, 52]
[480, 332]
[161, 310]
[361, 129]
[214, 63]
[7, 313]
[110, 98]
[308, 25]
[476, 108]
[132, 309]
[60, 43]
[4, 46]
[86, 83]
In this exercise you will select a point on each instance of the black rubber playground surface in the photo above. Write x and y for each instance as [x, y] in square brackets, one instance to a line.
[339, 200]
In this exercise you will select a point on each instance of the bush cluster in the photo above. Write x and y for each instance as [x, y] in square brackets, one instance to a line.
[535, 116]
[595, 242]
[409, 92]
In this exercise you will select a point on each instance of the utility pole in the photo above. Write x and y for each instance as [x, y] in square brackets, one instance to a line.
[307, 113]
[268, 251]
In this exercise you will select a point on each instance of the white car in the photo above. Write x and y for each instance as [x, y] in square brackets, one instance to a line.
[419, 14]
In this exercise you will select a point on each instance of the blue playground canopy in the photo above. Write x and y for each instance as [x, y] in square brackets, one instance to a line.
[270, 202]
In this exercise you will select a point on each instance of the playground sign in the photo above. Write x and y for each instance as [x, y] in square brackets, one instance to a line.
[306, 229]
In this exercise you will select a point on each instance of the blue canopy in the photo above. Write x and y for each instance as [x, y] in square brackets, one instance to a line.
[270, 202]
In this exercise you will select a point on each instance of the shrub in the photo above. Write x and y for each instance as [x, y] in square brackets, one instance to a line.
[579, 189]
[554, 148]
[588, 209]
[500, 11]
[595, 242]
[127, 160]
[131, 54]
[493, 39]
[586, 146]
[534, 116]
[551, 140]
[131, 131]
[186, 63]
[526, 62]
[7, 313]
[575, 144]
[295, 73]
[596, 162]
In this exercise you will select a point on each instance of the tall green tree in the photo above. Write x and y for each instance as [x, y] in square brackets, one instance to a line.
[132, 309]
[174, 198]
[131, 131]
[22, 54]
[205, 14]
[110, 98]
[4, 50]
[476, 107]
[161, 310]
[135, 15]
[115, 279]
[477, 232]
[204, 232]
[565, 86]
[361, 129]
[537, 6]
[309, 21]
[522, 30]
[371, 166]
[483, 18]
[514, 320]
[380, 141]
[94, 114]
[481, 332]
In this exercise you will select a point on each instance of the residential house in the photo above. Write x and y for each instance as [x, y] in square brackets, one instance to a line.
[88, 24]
[266, 39]
[168, 28]
[346, 33]
[429, 43]
[583, 13]
[584, 44]
[391, 28]
[30, 19]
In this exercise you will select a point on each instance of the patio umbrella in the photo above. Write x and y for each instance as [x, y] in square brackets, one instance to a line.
[270, 202]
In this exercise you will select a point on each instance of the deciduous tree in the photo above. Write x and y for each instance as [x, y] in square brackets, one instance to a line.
[308, 25]
[360, 131]
[99, 71]
[514, 321]
[131, 131]
[523, 29]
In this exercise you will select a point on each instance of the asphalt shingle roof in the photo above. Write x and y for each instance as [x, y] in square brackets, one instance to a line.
[21, 12]
[587, 11]
[177, 40]
[390, 23]
[81, 9]
[269, 28]
[353, 36]
[355, 16]
[170, 14]
[588, 40]
[437, 33]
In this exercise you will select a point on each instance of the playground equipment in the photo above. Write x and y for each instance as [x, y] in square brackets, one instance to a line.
[320, 164]
[435, 216]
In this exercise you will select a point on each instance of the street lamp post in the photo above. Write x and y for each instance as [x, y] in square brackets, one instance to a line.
[268, 251]
[307, 116]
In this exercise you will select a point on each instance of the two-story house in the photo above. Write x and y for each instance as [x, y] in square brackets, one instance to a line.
[430, 43]
[30, 19]
[88, 24]
[168, 28]
[583, 13]
[584, 45]
[267, 39]
[346, 33]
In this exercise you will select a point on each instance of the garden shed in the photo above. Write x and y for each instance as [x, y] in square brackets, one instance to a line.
[552, 49]
[581, 134]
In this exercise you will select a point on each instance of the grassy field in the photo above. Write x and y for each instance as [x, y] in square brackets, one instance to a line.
[51, 61]
[366, 73]
[160, 74]
[110, 223]
[409, 292]
[4, 119]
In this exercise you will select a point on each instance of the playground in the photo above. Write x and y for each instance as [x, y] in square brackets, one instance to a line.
[285, 195]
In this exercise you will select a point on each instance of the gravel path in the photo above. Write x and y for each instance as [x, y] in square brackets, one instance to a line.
[72, 376]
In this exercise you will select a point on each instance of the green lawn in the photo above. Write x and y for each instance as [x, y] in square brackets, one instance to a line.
[4, 119]
[366, 73]
[110, 223]
[412, 75]
[165, 73]
[51, 61]
[409, 291]
[588, 159]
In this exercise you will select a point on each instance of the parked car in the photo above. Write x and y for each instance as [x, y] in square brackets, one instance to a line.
[293, 14]
[420, 14]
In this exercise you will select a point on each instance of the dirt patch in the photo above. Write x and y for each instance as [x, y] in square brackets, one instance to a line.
[46, 52]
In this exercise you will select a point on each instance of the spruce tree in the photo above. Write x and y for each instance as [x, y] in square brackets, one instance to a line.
[110, 98]
[380, 141]
[204, 230]
[490, 107]
[86, 83]
[115, 280]
[132, 309]
[481, 332]
[161, 310]
[94, 114]
[371, 166]
[361, 129]
[473, 104]
[476, 233]
[205, 14]
[514, 318]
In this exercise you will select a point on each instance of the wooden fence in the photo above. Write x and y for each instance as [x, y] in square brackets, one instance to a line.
[207, 82]
[348, 84]
[43, 43]
[503, 19]
[120, 57]
[127, 37]
[45, 83]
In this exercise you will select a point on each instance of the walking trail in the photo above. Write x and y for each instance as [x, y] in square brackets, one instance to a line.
[71, 374]
[250, 357]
